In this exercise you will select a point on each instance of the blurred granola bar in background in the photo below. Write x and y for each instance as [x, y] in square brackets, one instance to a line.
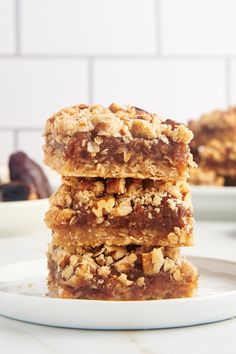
[214, 148]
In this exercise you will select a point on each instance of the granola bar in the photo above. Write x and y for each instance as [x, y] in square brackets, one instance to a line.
[220, 157]
[220, 125]
[95, 211]
[119, 273]
[205, 176]
[116, 142]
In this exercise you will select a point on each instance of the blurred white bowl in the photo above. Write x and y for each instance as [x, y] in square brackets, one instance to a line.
[23, 217]
[214, 203]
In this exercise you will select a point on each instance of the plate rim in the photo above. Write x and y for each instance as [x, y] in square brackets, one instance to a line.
[173, 313]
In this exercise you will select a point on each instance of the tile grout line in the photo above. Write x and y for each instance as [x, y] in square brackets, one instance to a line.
[227, 80]
[115, 57]
[91, 80]
[17, 27]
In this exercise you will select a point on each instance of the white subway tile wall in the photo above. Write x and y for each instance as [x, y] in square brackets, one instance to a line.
[198, 27]
[7, 27]
[88, 27]
[31, 89]
[177, 58]
[177, 88]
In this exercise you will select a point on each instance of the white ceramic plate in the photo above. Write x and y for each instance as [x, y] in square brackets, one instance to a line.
[22, 217]
[214, 203]
[23, 288]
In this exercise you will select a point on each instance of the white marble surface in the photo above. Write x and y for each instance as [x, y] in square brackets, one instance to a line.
[213, 239]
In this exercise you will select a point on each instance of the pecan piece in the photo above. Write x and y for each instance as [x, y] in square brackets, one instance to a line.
[115, 186]
[104, 205]
[152, 261]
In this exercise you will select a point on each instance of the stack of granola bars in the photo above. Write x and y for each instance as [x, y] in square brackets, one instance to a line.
[123, 208]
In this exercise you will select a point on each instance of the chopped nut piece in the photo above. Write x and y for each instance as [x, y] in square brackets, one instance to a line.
[105, 204]
[126, 263]
[177, 231]
[93, 147]
[98, 188]
[117, 252]
[140, 281]
[172, 203]
[115, 108]
[64, 261]
[153, 261]
[100, 169]
[157, 200]
[173, 238]
[124, 208]
[172, 253]
[115, 186]
[83, 106]
[124, 280]
[104, 271]
[127, 155]
[177, 275]
[169, 265]
[98, 140]
[143, 129]
[84, 271]
[88, 261]
[74, 260]
[99, 220]
[100, 259]
[67, 272]
[109, 260]
[83, 197]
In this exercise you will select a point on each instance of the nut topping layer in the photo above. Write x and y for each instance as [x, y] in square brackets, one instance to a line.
[115, 121]
[95, 211]
[93, 141]
[121, 273]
